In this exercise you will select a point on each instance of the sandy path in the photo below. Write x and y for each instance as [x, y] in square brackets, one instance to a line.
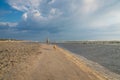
[52, 64]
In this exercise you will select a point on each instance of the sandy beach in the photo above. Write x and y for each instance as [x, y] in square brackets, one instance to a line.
[35, 61]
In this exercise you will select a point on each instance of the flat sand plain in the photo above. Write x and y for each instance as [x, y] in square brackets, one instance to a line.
[35, 61]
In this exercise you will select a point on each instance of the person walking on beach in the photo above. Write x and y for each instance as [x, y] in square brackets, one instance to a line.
[48, 41]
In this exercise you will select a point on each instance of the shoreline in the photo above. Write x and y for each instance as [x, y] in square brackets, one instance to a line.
[95, 66]
[99, 68]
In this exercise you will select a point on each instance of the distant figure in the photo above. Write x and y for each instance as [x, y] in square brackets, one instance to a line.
[47, 41]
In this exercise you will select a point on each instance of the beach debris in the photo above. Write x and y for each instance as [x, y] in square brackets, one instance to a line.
[54, 46]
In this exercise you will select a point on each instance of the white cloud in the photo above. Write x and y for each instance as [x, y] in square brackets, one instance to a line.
[25, 5]
[37, 13]
[105, 20]
[69, 14]
[19, 5]
[36, 9]
[35, 3]
[89, 6]
[52, 1]
[53, 11]
[25, 16]
[40, 10]
[9, 24]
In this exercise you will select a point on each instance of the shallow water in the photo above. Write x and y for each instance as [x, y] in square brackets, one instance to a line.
[107, 55]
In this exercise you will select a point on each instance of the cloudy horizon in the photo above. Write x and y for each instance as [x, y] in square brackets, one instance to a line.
[60, 19]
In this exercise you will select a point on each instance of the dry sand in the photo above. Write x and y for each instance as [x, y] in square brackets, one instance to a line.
[34, 61]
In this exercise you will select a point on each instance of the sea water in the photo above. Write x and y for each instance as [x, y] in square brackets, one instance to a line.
[107, 55]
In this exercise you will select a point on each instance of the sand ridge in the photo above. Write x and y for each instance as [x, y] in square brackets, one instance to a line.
[44, 62]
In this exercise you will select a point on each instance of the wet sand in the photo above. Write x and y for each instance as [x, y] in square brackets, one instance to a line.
[35, 61]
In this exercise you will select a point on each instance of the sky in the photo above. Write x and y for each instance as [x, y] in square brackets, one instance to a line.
[60, 19]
